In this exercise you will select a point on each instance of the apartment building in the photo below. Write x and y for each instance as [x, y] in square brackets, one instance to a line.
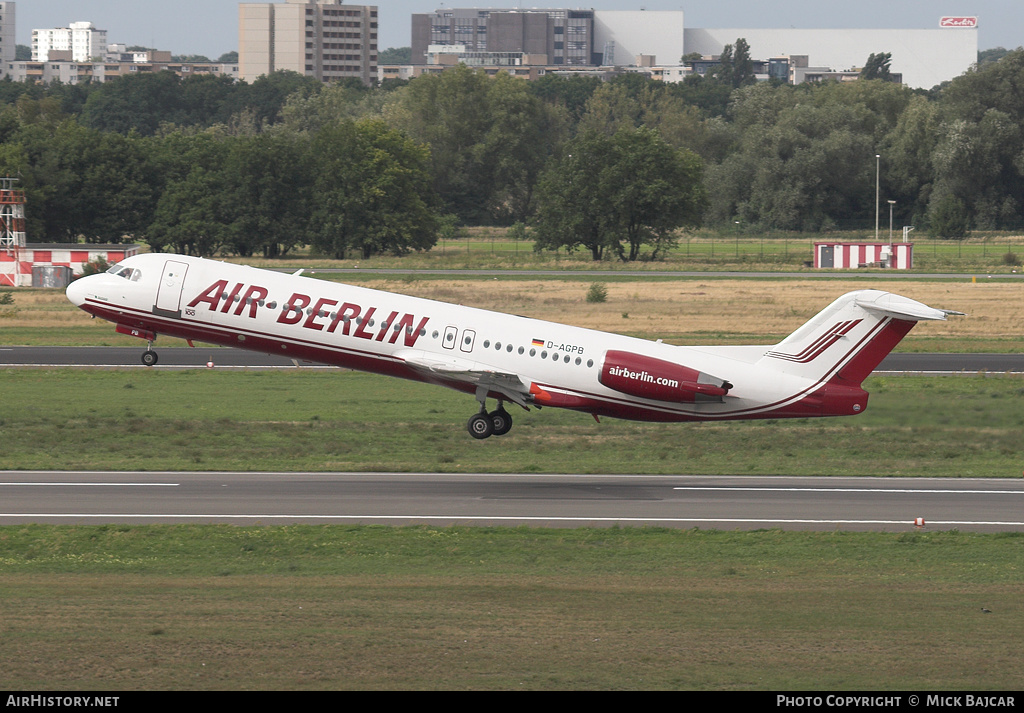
[82, 39]
[325, 39]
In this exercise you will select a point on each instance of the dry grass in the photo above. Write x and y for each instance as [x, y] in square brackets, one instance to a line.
[762, 309]
[682, 311]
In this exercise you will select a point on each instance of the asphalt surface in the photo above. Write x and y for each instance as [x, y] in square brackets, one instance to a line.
[681, 501]
[184, 357]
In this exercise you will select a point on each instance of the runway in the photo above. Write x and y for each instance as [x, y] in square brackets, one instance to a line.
[186, 358]
[676, 501]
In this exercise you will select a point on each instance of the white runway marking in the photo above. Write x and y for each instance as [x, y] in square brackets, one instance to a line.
[113, 485]
[485, 518]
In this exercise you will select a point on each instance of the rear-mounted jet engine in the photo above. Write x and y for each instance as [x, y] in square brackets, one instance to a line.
[650, 378]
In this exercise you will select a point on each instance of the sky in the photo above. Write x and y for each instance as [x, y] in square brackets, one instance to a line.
[210, 27]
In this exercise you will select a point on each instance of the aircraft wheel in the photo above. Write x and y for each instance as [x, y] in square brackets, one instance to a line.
[480, 426]
[502, 421]
[149, 358]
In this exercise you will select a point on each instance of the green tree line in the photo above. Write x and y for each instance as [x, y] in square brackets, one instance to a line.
[204, 165]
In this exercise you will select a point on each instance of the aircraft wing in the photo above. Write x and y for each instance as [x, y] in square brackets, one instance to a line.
[445, 367]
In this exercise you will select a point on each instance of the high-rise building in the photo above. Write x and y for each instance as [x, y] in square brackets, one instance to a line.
[323, 38]
[7, 42]
[560, 36]
[82, 40]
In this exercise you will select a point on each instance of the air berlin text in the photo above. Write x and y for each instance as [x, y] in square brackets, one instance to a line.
[319, 315]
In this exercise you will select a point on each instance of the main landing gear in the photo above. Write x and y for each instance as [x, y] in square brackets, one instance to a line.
[496, 423]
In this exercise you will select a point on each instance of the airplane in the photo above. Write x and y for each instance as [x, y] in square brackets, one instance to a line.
[815, 371]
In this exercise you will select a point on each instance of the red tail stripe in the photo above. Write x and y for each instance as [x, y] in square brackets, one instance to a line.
[819, 345]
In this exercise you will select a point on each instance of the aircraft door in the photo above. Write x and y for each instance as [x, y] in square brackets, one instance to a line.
[468, 337]
[450, 333]
[168, 291]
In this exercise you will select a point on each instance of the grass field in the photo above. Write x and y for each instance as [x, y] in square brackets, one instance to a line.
[299, 420]
[305, 607]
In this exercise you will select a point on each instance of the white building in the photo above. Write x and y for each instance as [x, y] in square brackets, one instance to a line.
[82, 40]
[628, 34]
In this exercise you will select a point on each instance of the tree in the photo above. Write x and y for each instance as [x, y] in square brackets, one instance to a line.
[722, 73]
[620, 193]
[803, 162]
[190, 217]
[980, 143]
[449, 112]
[206, 99]
[908, 148]
[711, 97]
[613, 107]
[395, 55]
[523, 133]
[311, 112]
[267, 182]
[489, 138]
[571, 92]
[140, 102]
[193, 213]
[371, 194]
[571, 209]
[742, 66]
[79, 182]
[877, 67]
[268, 93]
[735, 68]
[947, 218]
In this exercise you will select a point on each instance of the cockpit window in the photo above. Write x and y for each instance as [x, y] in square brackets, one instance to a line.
[128, 273]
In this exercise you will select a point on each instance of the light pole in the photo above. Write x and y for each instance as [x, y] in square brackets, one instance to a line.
[878, 167]
[891, 204]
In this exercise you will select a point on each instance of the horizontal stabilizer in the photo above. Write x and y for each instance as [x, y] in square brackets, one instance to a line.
[890, 305]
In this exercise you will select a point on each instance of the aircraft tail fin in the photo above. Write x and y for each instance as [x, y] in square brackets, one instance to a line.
[843, 343]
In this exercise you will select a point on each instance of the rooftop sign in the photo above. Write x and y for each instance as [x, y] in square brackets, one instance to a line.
[958, 22]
